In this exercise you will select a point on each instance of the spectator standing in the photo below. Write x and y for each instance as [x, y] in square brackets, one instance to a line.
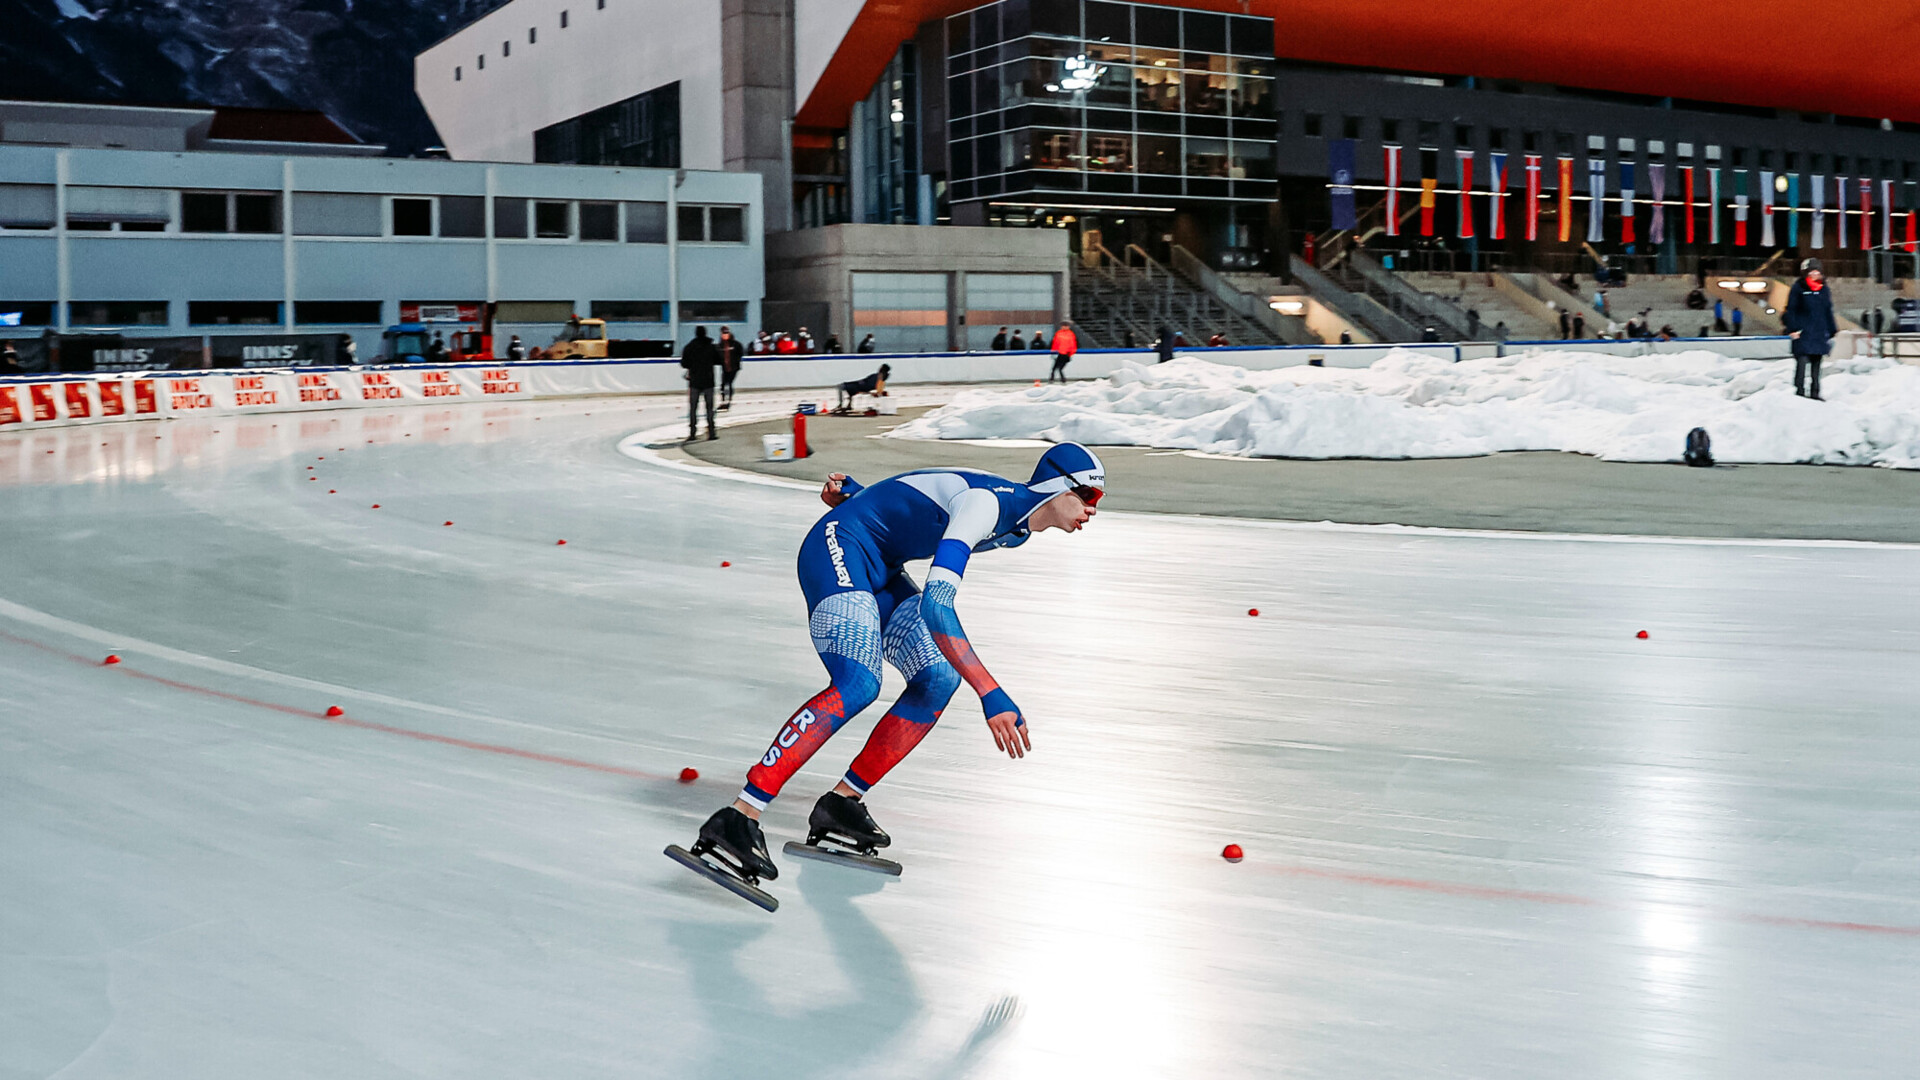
[1866, 320]
[730, 355]
[1039, 342]
[1719, 315]
[1346, 338]
[1738, 318]
[1065, 344]
[1879, 320]
[1429, 335]
[866, 344]
[763, 344]
[1016, 343]
[1808, 317]
[515, 349]
[1000, 341]
[1600, 302]
[10, 360]
[699, 359]
[1500, 330]
[1126, 340]
[1566, 324]
[1579, 326]
[437, 348]
[1164, 346]
[804, 340]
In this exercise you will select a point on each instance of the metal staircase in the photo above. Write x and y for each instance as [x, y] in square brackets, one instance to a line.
[1117, 294]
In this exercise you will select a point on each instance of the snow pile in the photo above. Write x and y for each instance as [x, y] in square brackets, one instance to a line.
[1412, 406]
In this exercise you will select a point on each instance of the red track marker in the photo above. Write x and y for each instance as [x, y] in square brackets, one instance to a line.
[1232, 853]
[111, 659]
[1253, 611]
[689, 774]
[335, 710]
[1642, 635]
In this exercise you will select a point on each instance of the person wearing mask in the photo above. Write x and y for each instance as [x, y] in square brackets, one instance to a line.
[516, 350]
[1000, 341]
[866, 345]
[804, 340]
[1065, 344]
[1808, 317]
[1164, 346]
[1039, 343]
[833, 343]
[1016, 343]
[731, 352]
[699, 359]
[763, 344]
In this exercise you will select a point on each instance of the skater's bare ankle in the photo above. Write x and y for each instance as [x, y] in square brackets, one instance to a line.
[846, 789]
[747, 808]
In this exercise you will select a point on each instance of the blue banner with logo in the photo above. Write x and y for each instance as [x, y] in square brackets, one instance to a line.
[1340, 182]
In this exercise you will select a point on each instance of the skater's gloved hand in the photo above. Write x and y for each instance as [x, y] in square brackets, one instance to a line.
[839, 488]
[1008, 725]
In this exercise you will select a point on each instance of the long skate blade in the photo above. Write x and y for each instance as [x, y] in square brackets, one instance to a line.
[721, 878]
[844, 858]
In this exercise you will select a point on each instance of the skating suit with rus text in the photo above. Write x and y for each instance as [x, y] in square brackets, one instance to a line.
[863, 609]
[862, 543]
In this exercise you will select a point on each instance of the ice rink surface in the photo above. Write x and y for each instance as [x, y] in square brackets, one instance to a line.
[1489, 832]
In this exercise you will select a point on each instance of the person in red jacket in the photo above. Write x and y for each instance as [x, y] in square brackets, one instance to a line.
[1064, 346]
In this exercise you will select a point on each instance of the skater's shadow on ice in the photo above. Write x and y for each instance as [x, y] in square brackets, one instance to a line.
[831, 1039]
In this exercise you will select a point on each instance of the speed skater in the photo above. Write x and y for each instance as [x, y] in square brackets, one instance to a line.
[863, 609]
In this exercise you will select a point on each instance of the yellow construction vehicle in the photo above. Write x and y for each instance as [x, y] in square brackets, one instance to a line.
[583, 339]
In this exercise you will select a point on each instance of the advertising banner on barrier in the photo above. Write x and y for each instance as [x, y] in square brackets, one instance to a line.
[111, 352]
[277, 350]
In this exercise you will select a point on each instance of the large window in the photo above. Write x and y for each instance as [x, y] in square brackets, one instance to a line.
[325, 213]
[121, 209]
[337, 312]
[1110, 97]
[117, 313]
[233, 312]
[643, 130]
[229, 212]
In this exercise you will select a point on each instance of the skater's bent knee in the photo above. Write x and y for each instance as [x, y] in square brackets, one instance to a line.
[938, 682]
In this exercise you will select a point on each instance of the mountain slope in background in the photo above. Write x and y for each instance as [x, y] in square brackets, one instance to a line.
[352, 59]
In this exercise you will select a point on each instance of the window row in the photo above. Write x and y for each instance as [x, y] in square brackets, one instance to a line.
[1057, 181]
[1432, 133]
[105, 313]
[32, 206]
[1144, 89]
[533, 38]
[1153, 25]
[1093, 151]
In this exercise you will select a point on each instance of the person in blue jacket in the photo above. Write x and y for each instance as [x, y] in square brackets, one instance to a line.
[1808, 318]
[863, 609]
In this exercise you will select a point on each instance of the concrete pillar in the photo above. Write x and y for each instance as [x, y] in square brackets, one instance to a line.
[756, 93]
[857, 164]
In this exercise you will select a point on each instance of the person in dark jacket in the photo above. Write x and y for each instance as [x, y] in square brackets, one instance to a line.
[731, 350]
[875, 384]
[1566, 324]
[1039, 342]
[1164, 346]
[1017, 343]
[999, 341]
[699, 359]
[866, 345]
[1808, 317]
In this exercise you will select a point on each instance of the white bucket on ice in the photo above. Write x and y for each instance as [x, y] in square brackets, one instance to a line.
[776, 447]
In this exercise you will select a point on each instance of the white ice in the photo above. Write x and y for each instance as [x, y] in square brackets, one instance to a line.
[1412, 406]
[1489, 833]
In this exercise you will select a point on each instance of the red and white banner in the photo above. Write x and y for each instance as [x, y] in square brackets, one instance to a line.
[1657, 218]
[440, 311]
[1533, 196]
[1766, 209]
[1686, 198]
[1464, 159]
[1497, 196]
[1393, 190]
[1866, 213]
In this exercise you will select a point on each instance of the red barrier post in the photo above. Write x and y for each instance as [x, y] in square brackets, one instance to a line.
[800, 436]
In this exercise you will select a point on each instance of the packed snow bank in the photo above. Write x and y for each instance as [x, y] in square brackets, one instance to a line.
[1412, 406]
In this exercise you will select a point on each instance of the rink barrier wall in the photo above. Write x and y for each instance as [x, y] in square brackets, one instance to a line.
[35, 401]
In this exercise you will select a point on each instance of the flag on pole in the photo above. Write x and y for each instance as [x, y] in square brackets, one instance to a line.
[1713, 204]
[1886, 214]
[1566, 199]
[1913, 227]
[1497, 196]
[1340, 183]
[1657, 220]
[1818, 210]
[1793, 210]
[1626, 202]
[1686, 197]
[1766, 209]
[1866, 213]
[1740, 197]
[1840, 212]
[1597, 200]
[1464, 226]
[1533, 197]
[1393, 189]
[1429, 186]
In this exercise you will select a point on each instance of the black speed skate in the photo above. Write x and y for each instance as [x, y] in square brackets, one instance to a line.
[738, 853]
[845, 824]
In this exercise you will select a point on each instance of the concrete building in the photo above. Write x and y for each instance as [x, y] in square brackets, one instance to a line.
[184, 222]
[1191, 132]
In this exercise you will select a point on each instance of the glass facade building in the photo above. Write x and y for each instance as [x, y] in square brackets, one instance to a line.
[1093, 101]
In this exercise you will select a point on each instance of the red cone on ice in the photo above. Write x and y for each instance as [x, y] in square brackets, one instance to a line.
[1254, 611]
[446, 523]
[724, 564]
[331, 491]
[1232, 853]
[112, 658]
[335, 710]
[376, 506]
[1642, 635]
[689, 774]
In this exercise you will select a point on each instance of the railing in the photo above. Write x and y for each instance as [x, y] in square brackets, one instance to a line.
[1249, 307]
[1355, 308]
[1405, 299]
